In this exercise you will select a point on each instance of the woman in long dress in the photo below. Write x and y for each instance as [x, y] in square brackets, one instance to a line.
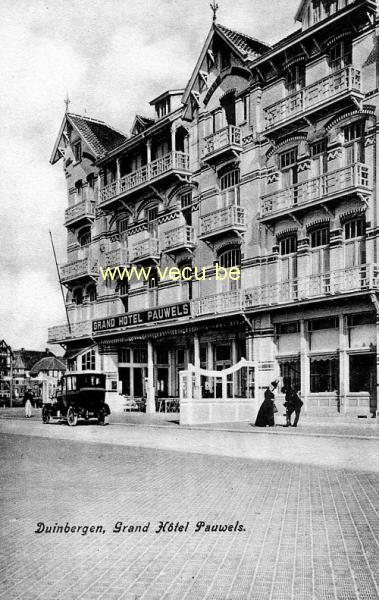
[265, 416]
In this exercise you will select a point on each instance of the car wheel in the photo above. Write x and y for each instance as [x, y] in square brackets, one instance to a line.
[72, 417]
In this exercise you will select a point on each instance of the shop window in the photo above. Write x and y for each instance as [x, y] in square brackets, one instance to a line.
[77, 150]
[124, 355]
[162, 356]
[362, 372]
[89, 361]
[290, 372]
[287, 328]
[180, 356]
[325, 323]
[324, 375]
[361, 319]
[223, 353]
[295, 78]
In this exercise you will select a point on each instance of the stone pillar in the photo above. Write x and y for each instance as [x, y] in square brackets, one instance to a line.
[234, 362]
[249, 347]
[173, 138]
[196, 345]
[150, 398]
[131, 372]
[210, 366]
[118, 169]
[343, 363]
[148, 151]
[171, 372]
[304, 364]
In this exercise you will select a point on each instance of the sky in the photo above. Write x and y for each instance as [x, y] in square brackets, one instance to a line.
[113, 57]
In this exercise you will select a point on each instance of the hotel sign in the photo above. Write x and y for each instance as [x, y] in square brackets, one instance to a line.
[153, 315]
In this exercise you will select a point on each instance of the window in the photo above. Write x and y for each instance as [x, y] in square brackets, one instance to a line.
[354, 229]
[355, 244]
[340, 55]
[324, 375]
[362, 372]
[140, 356]
[288, 245]
[123, 225]
[229, 185]
[123, 288]
[290, 372]
[287, 328]
[227, 259]
[85, 237]
[77, 296]
[124, 355]
[318, 152]
[152, 284]
[316, 11]
[295, 78]
[186, 274]
[353, 131]
[354, 143]
[186, 204]
[89, 361]
[162, 356]
[78, 188]
[288, 158]
[326, 323]
[91, 181]
[91, 293]
[77, 149]
[318, 148]
[245, 114]
[319, 237]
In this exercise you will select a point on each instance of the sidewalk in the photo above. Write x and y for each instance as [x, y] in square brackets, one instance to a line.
[338, 426]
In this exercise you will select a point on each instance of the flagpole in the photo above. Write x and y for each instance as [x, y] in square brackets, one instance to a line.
[60, 282]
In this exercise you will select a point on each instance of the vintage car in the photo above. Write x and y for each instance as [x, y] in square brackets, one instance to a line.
[80, 395]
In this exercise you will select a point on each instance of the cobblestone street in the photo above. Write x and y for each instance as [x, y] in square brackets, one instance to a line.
[308, 532]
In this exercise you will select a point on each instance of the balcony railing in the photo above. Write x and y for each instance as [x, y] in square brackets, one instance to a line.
[116, 258]
[78, 269]
[180, 237]
[62, 332]
[222, 220]
[79, 211]
[228, 137]
[328, 185]
[318, 93]
[147, 249]
[362, 278]
[173, 161]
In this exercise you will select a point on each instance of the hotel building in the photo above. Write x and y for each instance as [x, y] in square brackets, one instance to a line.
[267, 161]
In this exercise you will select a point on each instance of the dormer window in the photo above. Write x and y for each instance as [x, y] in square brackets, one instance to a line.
[77, 150]
[163, 108]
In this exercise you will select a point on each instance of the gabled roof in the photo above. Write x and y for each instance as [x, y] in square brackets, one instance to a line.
[144, 122]
[25, 359]
[246, 47]
[49, 363]
[99, 136]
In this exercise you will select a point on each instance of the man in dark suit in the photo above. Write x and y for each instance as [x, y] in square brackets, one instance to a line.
[293, 403]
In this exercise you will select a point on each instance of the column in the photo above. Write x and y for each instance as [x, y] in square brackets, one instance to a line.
[343, 364]
[210, 356]
[304, 365]
[234, 362]
[131, 372]
[249, 347]
[150, 399]
[109, 366]
[196, 345]
[173, 138]
[171, 372]
[118, 169]
[148, 151]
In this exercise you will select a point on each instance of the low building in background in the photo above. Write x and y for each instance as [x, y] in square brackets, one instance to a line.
[266, 162]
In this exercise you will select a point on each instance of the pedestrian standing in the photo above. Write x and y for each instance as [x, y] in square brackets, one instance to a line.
[294, 406]
[28, 397]
[265, 416]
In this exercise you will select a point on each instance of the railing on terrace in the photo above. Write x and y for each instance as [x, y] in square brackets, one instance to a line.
[146, 249]
[345, 80]
[81, 209]
[79, 268]
[223, 219]
[116, 258]
[228, 136]
[62, 332]
[179, 237]
[328, 184]
[172, 161]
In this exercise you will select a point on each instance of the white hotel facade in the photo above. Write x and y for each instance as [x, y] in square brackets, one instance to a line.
[267, 161]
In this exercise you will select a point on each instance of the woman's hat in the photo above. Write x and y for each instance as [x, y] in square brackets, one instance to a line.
[274, 383]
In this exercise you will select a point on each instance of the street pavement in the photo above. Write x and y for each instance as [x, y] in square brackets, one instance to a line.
[302, 512]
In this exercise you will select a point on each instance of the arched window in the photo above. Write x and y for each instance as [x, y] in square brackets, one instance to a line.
[89, 361]
[186, 205]
[230, 257]
[229, 185]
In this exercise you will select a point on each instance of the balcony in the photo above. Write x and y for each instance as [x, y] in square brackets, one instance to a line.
[353, 179]
[146, 251]
[172, 164]
[61, 333]
[224, 220]
[180, 238]
[222, 144]
[79, 269]
[222, 303]
[341, 86]
[116, 258]
[82, 211]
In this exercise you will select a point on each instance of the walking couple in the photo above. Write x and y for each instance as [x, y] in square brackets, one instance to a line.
[268, 408]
